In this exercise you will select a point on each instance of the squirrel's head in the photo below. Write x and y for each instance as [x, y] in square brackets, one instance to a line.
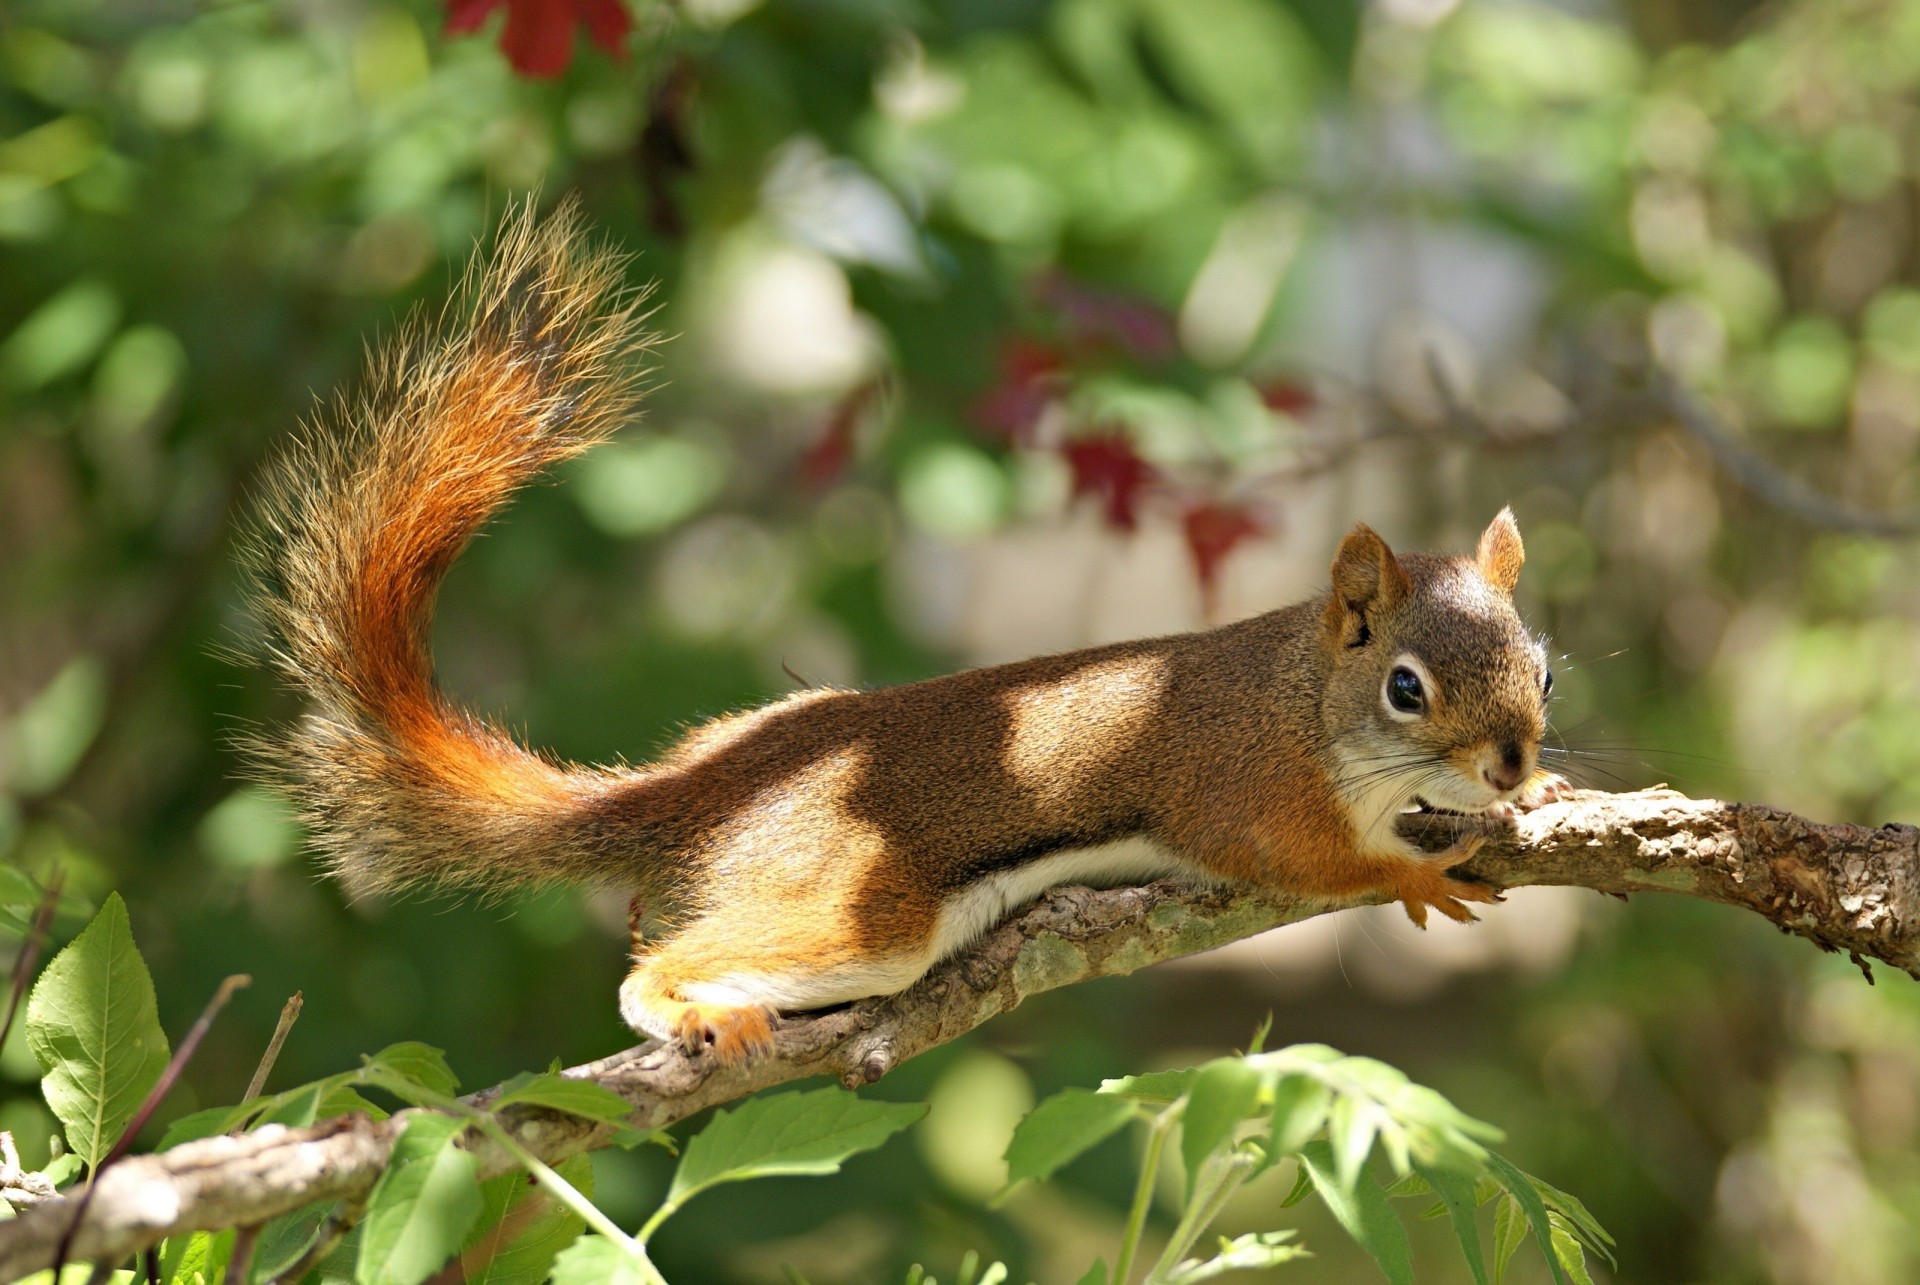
[1437, 693]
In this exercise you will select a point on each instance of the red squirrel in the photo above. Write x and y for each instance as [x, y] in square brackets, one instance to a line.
[836, 844]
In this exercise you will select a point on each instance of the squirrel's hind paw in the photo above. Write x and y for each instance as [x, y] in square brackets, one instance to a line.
[732, 1033]
[735, 1036]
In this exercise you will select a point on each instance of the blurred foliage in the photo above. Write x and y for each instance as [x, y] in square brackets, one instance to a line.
[1221, 275]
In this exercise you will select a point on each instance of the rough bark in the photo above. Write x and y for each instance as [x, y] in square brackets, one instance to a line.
[1843, 887]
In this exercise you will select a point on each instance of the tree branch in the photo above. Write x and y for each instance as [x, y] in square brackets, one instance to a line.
[1842, 887]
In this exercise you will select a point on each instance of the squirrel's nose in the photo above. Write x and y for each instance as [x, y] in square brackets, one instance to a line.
[1510, 769]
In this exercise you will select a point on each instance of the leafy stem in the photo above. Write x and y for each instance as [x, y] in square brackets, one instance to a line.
[1157, 1135]
[1221, 1176]
[561, 1190]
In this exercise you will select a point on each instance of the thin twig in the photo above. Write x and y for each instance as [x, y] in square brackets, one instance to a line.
[1754, 472]
[30, 950]
[1844, 887]
[240, 1261]
[289, 1014]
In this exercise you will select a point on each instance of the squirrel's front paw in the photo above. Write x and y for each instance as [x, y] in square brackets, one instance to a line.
[1426, 883]
[1542, 788]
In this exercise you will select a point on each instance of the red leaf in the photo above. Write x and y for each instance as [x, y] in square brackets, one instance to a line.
[538, 37]
[467, 15]
[832, 451]
[1287, 396]
[1213, 530]
[607, 23]
[1029, 375]
[1107, 467]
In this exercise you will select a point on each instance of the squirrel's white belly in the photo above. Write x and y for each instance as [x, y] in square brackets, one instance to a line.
[970, 912]
[962, 920]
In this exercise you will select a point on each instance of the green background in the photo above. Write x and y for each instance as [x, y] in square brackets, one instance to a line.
[207, 210]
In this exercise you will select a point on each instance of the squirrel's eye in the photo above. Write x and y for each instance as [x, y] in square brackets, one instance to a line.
[1404, 691]
[1546, 685]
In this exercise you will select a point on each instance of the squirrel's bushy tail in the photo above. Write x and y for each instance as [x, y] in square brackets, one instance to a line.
[363, 515]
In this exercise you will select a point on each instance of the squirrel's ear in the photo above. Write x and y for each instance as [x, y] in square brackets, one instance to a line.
[1501, 553]
[1366, 576]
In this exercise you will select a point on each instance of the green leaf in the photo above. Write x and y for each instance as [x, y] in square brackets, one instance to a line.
[595, 1260]
[422, 1205]
[1302, 1184]
[788, 1133]
[296, 1108]
[1567, 1251]
[419, 1065]
[1350, 1128]
[1300, 1105]
[1509, 1233]
[1161, 1088]
[1582, 1223]
[1062, 1128]
[284, 1239]
[1521, 1188]
[92, 1023]
[1362, 1209]
[1223, 1096]
[202, 1254]
[18, 890]
[1253, 1252]
[1095, 1275]
[206, 1124]
[524, 1228]
[343, 1099]
[559, 1093]
[1409, 1184]
[62, 1169]
[1456, 1197]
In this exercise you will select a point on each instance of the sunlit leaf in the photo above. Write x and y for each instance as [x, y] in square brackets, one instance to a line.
[1252, 1252]
[561, 1093]
[1509, 1233]
[93, 1025]
[595, 1260]
[1062, 1128]
[1569, 1254]
[1300, 1105]
[1524, 1194]
[788, 1133]
[1162, 1088]
[1223, 1096]
[412, 1065]
[422, 1206]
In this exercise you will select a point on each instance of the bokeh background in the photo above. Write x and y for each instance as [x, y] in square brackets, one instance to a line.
[1001, 327]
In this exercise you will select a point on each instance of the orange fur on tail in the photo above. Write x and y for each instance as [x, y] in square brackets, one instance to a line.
[363, 515]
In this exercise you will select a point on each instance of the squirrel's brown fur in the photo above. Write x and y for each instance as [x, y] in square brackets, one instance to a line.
[836, 844]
